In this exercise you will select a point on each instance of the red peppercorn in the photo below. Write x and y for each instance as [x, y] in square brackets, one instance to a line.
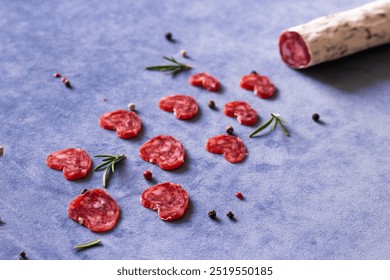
[148, 175]
[57, 75]
[239, 195]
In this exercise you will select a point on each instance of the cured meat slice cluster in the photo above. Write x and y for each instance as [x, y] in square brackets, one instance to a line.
[95, 209]
[163, 150]
[168, 199]
[261, 85]
[205, 80]
[184, 107]
[241, 110]
[126, 123]
[75, 163]
[231, 147]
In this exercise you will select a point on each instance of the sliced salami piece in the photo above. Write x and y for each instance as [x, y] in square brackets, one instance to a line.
[241, 110]
[231, 147]
[336, 35]
[184, 107]
[126, 123]
[168, 199]
[205, 80]
[261, 85]
[95, 209]
[163, 150]
[74, 163]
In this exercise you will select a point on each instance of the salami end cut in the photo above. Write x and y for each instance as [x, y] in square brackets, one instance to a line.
[74, 163]
[168, 199]
[205, 80]
[126, 123]
[241, 110]
[95, 209]
[184, 107]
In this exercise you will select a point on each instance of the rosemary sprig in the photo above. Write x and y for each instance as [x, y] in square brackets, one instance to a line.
[87, 245]
[277, 120]
[108, 165]
[172, 69]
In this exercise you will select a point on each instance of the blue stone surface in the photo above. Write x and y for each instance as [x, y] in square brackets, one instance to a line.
[322, 193]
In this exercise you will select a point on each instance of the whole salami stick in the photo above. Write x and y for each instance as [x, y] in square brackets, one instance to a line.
[336, 35]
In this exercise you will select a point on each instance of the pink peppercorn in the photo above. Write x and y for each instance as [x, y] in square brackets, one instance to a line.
[148, 175]
[239, 195]
[57, 75]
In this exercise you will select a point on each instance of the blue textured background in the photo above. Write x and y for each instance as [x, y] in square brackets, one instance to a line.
[322, 193]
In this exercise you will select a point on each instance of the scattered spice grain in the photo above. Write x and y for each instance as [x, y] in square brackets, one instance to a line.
[315, 117]
[239, 195]
[229, 130]
[230, 215]
[148, 175]
[212, 214]
[211, 104]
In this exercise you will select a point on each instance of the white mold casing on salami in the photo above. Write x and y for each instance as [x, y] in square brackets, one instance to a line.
[337, 35]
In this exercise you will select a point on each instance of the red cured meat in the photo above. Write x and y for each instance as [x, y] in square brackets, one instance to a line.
[168, 199]
[231, 147]
[205, 80]
[126, 123]
[184, 107]
[261, 85]
[74, 163]
[293, 50]
[95, 209]
[241, 110]
[163, 150]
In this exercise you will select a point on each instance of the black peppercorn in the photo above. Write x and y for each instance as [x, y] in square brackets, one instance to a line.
[254, 72]
[315, 117]
[168, 36]
[230, 215]
[212, 214]
[22, 255]
[211, 104]
[229, 130]
[84, 191]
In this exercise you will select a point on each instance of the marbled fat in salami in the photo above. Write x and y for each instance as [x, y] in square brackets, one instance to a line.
[126, 123]
[205, 80]
[336, 35]
[241, 110]
[163, 150]
[231, 147]
[261, 85]
[74, 163]
[95, 209]
[184, 107]
[168, 199]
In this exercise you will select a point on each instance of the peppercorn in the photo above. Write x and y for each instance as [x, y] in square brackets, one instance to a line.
[315, 117]
[239, 195]
[22, 255]
[168, 36]
[84, 191]
[211, 104]
[212, 214]
[183, 53]
[57, 75]
[229, 129]
[66, 82]
[254, 72]
[148, 175]
[1, 151]
[230, 215]
[131, 106]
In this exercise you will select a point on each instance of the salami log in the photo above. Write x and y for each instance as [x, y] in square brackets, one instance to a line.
[168, 199]
[337, 35]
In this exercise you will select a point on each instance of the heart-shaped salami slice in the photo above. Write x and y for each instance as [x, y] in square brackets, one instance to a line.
[126, 123]
[261, 85]
[205, 80]
[74, 163]
[95, 209]
[168, 199]
[163, 150]
[184, 107]
[241, 110]
[231, 147]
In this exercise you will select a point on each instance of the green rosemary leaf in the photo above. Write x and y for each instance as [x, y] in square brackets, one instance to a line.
[88, 244]
[101, 166]
[285, 131]
[275, 124]
[105, 156]
[105, 173]
[257, 130]
[172, 69]
[108, 163]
